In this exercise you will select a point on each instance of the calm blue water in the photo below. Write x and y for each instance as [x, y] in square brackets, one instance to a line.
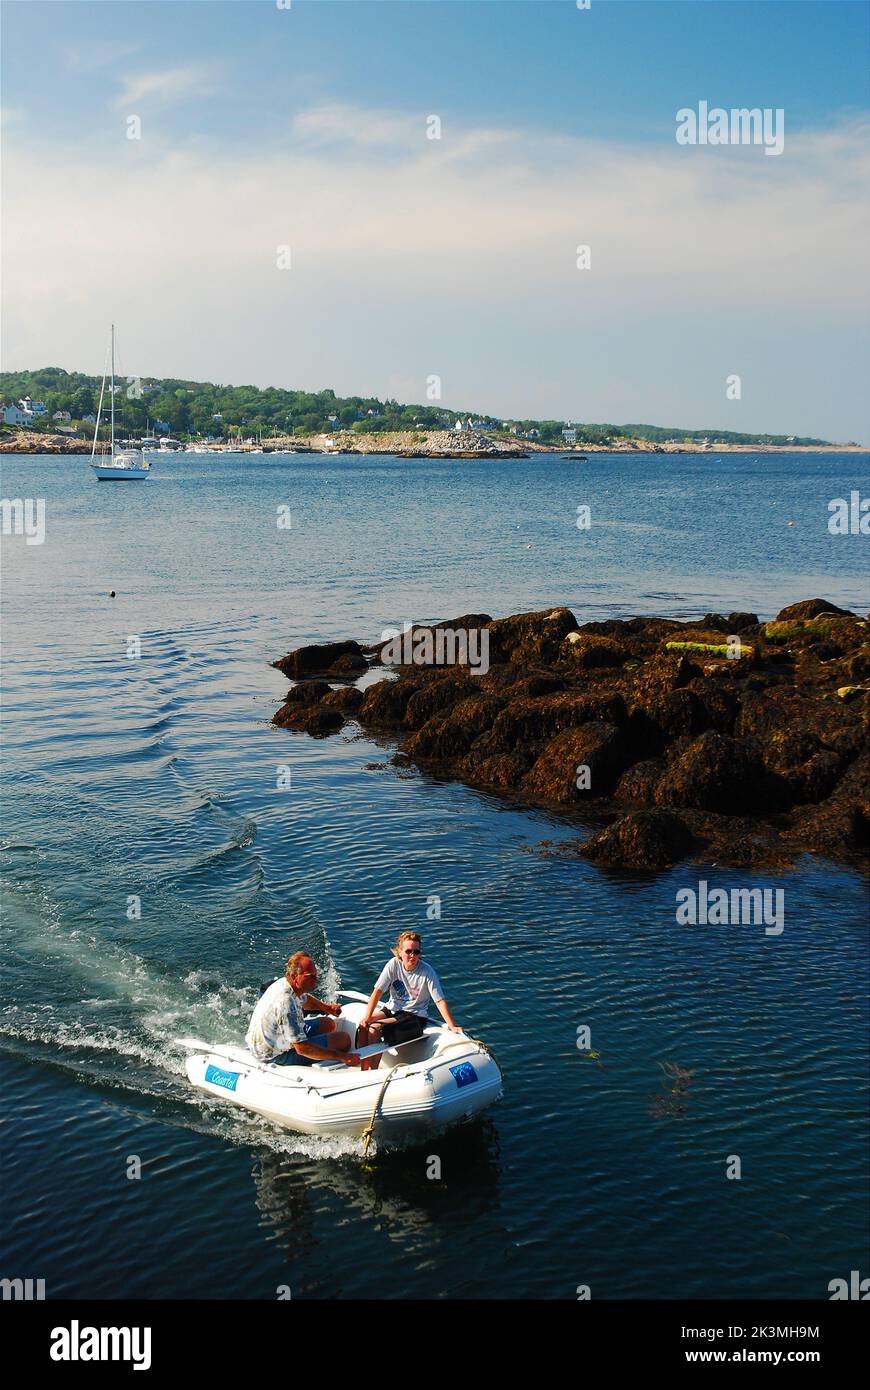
[156, 777]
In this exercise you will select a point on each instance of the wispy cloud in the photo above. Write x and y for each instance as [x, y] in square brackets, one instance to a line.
[719, 218]
[334, 129]
[342, 126]
[99, 53]
[166, 87]
[461, 255]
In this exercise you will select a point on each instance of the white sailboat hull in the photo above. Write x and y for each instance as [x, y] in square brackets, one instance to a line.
[113, 473]
[121, 466]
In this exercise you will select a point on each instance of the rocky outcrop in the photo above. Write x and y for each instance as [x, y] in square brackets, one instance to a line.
[452, 735]
[577, 763]
[840, 824]
[384, 703]
[640, 840]
[530, 638]
[347, 699]
[810, 608]
[327, 658]
[585, 649]
[746, 751]
[714, 773]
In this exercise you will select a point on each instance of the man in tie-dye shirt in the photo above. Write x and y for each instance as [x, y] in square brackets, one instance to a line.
[279, 1033]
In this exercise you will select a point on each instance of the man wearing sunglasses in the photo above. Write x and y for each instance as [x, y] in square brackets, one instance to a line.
[410, 983]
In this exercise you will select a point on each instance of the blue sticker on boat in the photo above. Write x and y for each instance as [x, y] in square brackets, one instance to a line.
[217, 1077]
[464, 1074]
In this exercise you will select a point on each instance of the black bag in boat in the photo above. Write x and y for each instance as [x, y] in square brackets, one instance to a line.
[402, 1027]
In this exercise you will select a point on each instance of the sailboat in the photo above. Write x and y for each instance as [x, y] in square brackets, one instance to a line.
[121, 465]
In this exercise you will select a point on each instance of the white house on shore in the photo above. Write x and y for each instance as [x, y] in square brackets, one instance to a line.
[14, 415]
[31, 408]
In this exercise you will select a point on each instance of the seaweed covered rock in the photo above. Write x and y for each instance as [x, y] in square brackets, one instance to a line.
[429, 644]
[438, 691]
[451, 735]
[697, 637]
[585, 649]
[640, 840]
[741, 622]
[323, 720]
[503, 681]
[857, 668]
[719, 701]
[715, 773]
[307, 693]
[384, 703]
[765, 755]
[841, 823]
[639, 782]
[313, 717]
[530, 637]
[347, 700]
[531, 721]
[557, 772]
[325, 658]
[625, 629]
[674, 714]
[662, 672]
[842, 633]
[299, 704]
[810, 608]
[347, 665]
[787, 717]
[805, 768]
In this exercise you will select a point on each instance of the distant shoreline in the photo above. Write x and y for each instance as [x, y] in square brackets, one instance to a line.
[438, 444]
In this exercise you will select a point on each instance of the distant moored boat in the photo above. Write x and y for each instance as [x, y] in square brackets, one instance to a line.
[120, 465]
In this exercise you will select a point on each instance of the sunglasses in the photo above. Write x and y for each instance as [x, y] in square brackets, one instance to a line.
[412, 951]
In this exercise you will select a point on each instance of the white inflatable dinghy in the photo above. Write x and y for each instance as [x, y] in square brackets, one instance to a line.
[419, 1086]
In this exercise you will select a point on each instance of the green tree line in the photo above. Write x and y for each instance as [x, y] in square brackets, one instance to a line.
[199, 408]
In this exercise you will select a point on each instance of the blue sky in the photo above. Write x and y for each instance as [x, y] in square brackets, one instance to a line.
[264, 127]
[616, 70]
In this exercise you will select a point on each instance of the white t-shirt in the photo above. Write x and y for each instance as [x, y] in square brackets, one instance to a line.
[410, 990]
[276, 1023]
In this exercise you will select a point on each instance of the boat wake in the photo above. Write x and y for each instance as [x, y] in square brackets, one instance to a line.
[85, 1003]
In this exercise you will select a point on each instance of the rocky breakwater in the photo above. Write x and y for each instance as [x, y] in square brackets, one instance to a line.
[728, 739]
[38, 442]
[418, 444]
[464, 444]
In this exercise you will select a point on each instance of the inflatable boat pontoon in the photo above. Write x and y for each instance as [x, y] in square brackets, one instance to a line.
[419, 1086]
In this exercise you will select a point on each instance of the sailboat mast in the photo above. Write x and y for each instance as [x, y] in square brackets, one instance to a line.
[113, 390]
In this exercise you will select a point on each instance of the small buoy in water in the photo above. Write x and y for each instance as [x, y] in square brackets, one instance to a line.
[790, 523]
[528, 547]
[111, 593]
